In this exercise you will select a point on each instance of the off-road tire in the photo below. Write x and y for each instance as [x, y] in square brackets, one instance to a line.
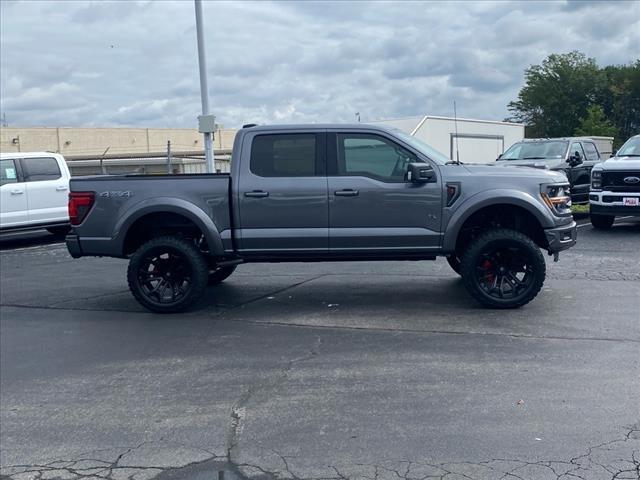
[189, 259]
[454, 263]
[220, 274]
[602, 222]
[496, 241]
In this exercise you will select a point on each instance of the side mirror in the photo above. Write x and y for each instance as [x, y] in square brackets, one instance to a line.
[613, 154]
[420, 173]
[575, 159]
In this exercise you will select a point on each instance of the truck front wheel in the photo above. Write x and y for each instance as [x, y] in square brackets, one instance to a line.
[503, 268]
[602, 222]
[167, 274]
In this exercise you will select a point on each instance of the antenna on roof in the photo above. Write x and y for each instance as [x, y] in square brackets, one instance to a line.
[358, 116]
[455, 122]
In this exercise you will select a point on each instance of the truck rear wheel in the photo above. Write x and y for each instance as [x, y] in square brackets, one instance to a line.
[602, 222]
[220, 274]
[503, 268]
[167, 274]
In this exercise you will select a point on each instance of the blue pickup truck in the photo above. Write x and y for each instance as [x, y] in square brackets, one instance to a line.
[325, 193]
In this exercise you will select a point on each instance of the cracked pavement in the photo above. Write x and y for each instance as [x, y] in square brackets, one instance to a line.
[358, 371]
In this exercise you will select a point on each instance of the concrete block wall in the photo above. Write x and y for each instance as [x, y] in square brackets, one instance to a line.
[94, 141]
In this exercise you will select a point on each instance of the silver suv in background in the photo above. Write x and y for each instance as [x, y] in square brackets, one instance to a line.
[615, 186]
[573, 156]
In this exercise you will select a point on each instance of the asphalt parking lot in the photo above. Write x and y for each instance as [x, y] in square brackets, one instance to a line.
[377, 371]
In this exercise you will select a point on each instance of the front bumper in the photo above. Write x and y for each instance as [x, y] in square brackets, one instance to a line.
[614, 210]
[561, 238]
[612, 203]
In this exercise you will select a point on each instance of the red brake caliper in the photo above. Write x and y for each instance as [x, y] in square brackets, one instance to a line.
[486, 265]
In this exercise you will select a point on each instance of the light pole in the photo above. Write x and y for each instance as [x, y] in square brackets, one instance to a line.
[206, 122]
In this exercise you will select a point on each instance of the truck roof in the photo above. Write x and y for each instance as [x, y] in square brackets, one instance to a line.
[554, 139]
[320, 126]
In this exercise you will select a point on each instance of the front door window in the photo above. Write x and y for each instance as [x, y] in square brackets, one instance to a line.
[372, 156]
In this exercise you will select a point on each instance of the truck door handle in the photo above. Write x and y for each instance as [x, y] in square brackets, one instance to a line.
[256, 194]
[17, 192]
[61, 188]
[347, 192]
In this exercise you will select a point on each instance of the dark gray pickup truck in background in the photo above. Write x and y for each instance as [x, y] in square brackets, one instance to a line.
[325, 193]
[573, 156]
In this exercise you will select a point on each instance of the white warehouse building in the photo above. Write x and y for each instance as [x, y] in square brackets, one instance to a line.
[474, 141]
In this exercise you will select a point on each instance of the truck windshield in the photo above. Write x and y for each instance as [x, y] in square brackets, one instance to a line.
[631, 148]
[422, 147]
[553, 149]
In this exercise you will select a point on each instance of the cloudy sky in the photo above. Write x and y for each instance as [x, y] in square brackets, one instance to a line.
[126, 63]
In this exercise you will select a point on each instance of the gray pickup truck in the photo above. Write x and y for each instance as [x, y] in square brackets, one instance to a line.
[325, 193]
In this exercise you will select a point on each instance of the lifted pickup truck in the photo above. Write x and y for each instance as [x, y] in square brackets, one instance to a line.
[325, 193]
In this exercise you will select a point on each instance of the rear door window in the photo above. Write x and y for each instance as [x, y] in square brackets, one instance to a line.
[591, 151]
[8, 172]
[285, 155]
[40, 169]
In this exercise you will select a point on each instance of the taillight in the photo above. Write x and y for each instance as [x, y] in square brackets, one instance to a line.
[79, 205]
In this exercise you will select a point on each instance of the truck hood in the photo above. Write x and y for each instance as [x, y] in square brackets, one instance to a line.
[542, 175]
[542, 164]
[621, 163]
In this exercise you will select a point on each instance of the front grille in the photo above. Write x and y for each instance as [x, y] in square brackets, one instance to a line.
[611, 198]
[614, 182]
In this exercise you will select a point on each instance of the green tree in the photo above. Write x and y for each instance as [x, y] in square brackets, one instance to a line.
[595, 123]
[557, 94]
[621, 99]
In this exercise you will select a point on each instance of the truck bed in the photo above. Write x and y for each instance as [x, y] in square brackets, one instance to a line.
[122, 199]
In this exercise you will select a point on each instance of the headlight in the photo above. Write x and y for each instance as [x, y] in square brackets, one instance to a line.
[558, 198]
[596, 179]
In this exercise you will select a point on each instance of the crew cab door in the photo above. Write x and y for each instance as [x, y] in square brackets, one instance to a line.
[579, 175]
[372, 206]
[281, 193]
[47, 190]
[13, 195]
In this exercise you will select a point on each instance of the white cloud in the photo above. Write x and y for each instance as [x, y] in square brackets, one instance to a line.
[135, 63]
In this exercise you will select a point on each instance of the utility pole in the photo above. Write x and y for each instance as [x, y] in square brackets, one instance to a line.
[168, 156]
[206, 122]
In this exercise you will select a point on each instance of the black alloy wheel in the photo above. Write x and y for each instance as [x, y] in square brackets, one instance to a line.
[503, 269]
[167, 274]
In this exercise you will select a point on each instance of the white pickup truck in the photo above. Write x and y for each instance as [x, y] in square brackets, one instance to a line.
[34, 189]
